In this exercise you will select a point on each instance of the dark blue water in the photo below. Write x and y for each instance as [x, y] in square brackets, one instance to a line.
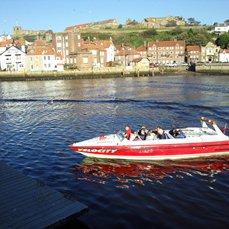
[40, 119]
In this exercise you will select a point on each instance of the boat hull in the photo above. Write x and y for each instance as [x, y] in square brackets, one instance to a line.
[155, 151]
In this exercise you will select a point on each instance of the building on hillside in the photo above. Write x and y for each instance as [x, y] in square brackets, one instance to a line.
[210, 53]
[221, 28]
[97, 53]
[45, 35]
[67, 43]
[125, 55]
[143, 50]
[165, 52]
[43, 57]
[224, 56]
[109, 23]
[157, 22]
[12, 59]
[193, 53]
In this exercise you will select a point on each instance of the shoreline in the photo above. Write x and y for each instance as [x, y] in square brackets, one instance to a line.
[69, 75]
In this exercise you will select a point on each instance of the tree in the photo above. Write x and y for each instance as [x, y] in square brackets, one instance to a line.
[119, 26]
[171, 23]
[149, 33]
[223, 40]
[226, 22]
[192, 21]
[130, 22]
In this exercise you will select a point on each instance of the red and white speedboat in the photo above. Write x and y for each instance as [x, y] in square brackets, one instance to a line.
[195, 142]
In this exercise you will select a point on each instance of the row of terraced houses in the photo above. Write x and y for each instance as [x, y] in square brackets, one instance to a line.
[68, 50]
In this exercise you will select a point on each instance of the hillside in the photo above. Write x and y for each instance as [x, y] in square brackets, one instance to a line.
[135, 37]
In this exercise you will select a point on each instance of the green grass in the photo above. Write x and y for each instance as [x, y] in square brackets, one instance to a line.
[135, 37]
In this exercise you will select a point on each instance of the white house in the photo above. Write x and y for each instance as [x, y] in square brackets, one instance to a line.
[224, 56]
[221, 29]
[210, 53]
[110, 50]
[12, 59]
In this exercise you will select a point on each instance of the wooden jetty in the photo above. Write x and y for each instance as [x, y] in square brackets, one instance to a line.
[25, 203]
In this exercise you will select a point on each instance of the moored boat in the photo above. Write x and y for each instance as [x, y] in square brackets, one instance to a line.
[192, 142]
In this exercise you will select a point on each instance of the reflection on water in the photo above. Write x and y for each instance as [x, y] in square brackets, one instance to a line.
[138, 172]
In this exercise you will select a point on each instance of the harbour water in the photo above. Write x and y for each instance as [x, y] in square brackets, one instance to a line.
[39, 119]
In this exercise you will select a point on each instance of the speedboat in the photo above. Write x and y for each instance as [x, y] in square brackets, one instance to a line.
[191, 142]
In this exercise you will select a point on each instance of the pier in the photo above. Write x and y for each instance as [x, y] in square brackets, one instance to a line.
[26, 203]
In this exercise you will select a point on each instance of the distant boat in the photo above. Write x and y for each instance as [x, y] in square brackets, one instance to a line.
[191, 142]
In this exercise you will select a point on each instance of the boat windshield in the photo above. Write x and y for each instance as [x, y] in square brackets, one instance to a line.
[120, 135]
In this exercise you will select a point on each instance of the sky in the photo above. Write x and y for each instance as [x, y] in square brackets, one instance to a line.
[58, 14]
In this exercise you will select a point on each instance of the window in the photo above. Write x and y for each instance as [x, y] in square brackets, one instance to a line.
[44, 57]
[85, 60]
[49, 65]
[48, 57]
[94, 52]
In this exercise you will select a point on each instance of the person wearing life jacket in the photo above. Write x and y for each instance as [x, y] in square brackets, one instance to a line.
[128, 132]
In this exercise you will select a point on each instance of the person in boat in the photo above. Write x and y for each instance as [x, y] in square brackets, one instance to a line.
[128, 132]
[142, 133]
[160, 133]
[174, 132]
[151, 135]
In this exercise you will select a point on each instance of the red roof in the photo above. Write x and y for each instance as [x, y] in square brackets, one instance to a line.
[18, 42]
[167, 43]
[96, 45]
[190, 48]
[124, 51]
[225, 51]
[142, 48]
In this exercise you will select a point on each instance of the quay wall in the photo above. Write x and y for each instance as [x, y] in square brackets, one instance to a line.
[114, 72]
